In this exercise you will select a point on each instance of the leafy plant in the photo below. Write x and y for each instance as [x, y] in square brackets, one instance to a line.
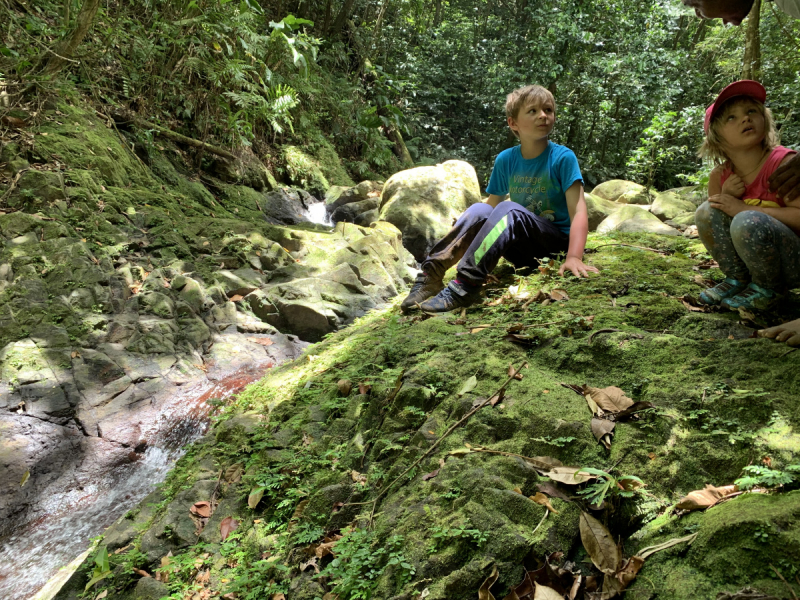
[606, 485]
[102, 569]
[761, 476]
[440, 536]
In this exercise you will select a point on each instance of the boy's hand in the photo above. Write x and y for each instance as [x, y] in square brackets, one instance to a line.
[733, 186]
[577, 267]
[728, 204]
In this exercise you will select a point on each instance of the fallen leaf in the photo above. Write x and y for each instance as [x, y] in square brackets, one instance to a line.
[201, 509]
[337, 506]
[141, 572]
[569, 475]
[358, 477]
[546, 593]
[523, 340]
[558, 294]
[364, 388]
[632, 410]
[203, 576]
[264, 341]
[692, 305]
[700, 499]
[468, 386]
[540, 498]
[281, 595]
[228, 525]
[651, 455]
[602, 429]
[344, 386]
[25, 477]
[235, 298]
[599, 544]
[430, 475]
[299, 510]
[460, 452]
[544, 463]
[629, 570]
[518, 490]
[610, 399]
[312, 562]
[512, 372]
[645, 552]
[483, 591]
[233, 474]
[254, 498]
[746, 593]
[552, 491]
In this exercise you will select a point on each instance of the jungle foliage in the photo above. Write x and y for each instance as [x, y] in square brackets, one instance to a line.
[631, 78]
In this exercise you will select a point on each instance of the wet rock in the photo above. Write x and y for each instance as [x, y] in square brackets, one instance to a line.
[350, 212]
[127, 527]
[423, 202]
[635, 219]
[367, 218]
[286, 206]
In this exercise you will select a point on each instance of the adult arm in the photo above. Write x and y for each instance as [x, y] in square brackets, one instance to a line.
[579, 229]
[731, 206]
[785, 181]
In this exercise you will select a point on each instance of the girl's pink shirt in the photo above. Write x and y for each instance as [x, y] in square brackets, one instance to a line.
[759, 189]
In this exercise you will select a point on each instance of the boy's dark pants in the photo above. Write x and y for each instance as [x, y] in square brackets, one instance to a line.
[482, 235]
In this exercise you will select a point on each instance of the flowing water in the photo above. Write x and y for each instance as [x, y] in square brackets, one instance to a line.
[33, 554]
[318, 213]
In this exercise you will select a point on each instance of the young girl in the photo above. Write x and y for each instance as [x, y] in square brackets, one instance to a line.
[750, 231]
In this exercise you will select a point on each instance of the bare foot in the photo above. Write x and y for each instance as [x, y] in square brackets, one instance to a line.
[787, 332]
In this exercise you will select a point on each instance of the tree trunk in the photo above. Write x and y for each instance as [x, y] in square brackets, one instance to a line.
[64, 50]
[751, 69]
[400, 148]
[437, 16]
[378, 22]
[342, 17]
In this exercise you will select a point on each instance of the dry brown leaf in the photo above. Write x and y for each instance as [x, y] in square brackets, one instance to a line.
[228, 525]
[233, 474]
[549, 489]
[546, 593]
[483, 591]
[544, 464]
[558, 294]
[299, 510]
[569, 475]
[203, 576]
[264, 341]
[324, 548]
[512, 372]
[602, 429]
[364, 388]
[236, 298]
[337, 506]
[479, 328]
[254, 498]
[610, 399]
[311, 562]
[201, 509]
[102, 594]
[518, 490]
[540, 498]
[629, 570]
[430, 475]
[700, 499]
[358, 477]
[345, 387]
[141, 572]
[599, 544]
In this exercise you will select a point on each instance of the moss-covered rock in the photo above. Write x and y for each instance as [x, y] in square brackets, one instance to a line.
[625, 192]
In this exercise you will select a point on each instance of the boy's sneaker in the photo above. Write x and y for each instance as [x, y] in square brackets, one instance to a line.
[454, 296]
[753, 297]
[714, 295]
[424, 287]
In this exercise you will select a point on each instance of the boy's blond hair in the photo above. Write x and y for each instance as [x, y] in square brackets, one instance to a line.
[712, 147]
[523, 96]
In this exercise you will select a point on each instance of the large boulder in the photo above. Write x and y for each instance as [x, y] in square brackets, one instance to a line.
[349, 212]
[696, 194]
[634, 219]
[682, 220]
[423, 202]
[599, 208]
[338, 196]
[624, 192]
[669, 205]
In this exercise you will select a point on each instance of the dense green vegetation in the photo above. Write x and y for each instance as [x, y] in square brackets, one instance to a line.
[631, 78]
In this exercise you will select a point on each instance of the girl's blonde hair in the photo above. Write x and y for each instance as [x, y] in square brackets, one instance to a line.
[713, 148]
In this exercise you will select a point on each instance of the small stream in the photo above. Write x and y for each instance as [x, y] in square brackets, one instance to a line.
[34, 554]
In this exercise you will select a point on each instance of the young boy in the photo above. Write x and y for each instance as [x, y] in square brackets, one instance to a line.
[546, 213]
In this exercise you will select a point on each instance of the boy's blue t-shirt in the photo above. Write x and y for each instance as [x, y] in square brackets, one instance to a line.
[538, 183]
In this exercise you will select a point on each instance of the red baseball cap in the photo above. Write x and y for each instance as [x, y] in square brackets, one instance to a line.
[745, 87]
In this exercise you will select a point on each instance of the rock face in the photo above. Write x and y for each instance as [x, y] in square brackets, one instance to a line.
[696, 194]
[624, 192]
[285, 206]
[423, 202]
[634, 219]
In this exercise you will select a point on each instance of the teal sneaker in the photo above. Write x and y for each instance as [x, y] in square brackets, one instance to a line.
[450, 298]
[753, 297]
[714, 295]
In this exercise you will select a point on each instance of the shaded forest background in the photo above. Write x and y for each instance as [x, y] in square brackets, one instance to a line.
[391, 82]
